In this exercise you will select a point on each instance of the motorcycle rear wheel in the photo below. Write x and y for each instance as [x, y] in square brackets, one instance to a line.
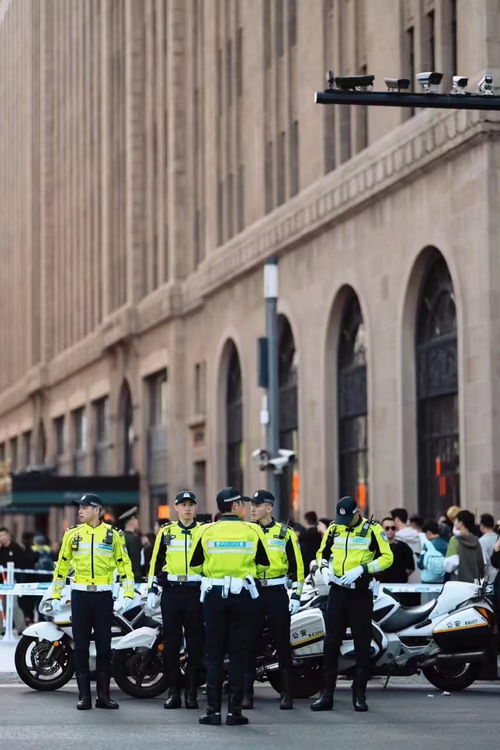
[306, 679]
[454, 677]
[32, 650]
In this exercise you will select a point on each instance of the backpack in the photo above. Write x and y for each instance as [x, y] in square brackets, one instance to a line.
[433, 562]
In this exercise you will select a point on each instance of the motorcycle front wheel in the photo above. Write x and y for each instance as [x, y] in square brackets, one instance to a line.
[39, 670]
[139, 674]
[454, 676]
[306, 679]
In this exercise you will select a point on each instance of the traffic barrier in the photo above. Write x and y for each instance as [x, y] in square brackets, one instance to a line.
[10, 588]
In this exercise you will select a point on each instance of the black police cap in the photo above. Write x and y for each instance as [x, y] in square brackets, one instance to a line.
[183, 496]
[89, 500]
[262, 496]
[230, 495]
[346, 510]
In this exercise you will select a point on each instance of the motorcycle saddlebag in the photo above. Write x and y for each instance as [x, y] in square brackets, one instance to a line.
[307, 633]
[465, 630]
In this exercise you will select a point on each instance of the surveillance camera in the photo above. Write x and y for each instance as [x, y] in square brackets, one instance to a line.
[262, 457]
[429, 81]
[486, 85]
[396, 84]
[459, 84]
[354, 83]
[278, 464]
[289, 455]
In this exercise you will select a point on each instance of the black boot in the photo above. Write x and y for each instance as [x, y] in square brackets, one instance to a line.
[212, 714]
[325, 700]
[174, 698]
[191, 695]
[234, 716]
[247, 700]
[84, 696]
[103, 699]
[359, 691]
[286, 703]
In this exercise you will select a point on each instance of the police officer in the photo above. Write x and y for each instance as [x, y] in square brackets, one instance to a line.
[275, 607]
[180, 598]
[130, 524]
[229, 554]
[94, 550]
[352, 550]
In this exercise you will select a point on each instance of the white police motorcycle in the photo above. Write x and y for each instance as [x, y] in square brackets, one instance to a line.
[44, 653]
[445, 639]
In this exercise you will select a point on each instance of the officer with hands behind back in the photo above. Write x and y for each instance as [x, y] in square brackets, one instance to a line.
[274, 605]
[180, 598]
[352, 550]
[95, 550]
[229, 554]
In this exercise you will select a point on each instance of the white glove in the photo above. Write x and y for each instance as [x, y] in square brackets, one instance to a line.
[351, 576]
[152, 601]
[294, 605]
[326, 572]
[53, 607]
[313, 566]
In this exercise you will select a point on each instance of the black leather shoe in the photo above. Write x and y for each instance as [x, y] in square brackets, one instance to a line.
[173, 700]
[286, 703]
[359, 703]
[191, 695]
[212, 719]
[102, 689]
[212, 715]
[324, 702]
[84, 697]
[234, 716]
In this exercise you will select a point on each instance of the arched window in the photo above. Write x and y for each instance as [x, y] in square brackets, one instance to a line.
[126, 434]
[352, 405]
[234, 421]
[437, 392]
[289, 423]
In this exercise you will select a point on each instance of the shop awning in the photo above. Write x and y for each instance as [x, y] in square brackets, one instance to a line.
[31, 491]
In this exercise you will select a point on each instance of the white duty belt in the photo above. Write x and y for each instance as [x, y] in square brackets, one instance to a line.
[273, 581]
[229, 585]
[184, 578]
[372, 586]
[91, 587]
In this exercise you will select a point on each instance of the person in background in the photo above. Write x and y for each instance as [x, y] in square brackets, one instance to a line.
[323, 524]
[452, 513]
[406, 533]
[10, 551]
[403, 565]
[487, 541]
[464, 558]
[310, 538]
[27, 603]
[434, 548]
[130, 522]
[445, 527]
[148, 543]
[417, 523]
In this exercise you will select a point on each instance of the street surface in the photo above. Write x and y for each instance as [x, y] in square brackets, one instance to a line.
[402, 716]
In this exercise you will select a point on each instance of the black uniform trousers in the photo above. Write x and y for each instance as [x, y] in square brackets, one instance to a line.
[272, 605]
[181, 609]
[92, 610]
[229, 628]
[353, 608]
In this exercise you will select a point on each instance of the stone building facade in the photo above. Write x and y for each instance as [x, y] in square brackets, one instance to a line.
[154, 155]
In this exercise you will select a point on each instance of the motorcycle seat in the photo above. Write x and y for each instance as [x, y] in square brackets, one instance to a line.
[404, 617]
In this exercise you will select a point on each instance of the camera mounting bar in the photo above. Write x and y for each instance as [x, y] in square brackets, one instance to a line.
[404, 99]
[358, 90]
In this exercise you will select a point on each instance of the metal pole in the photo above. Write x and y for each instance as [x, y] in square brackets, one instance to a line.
[273, 425]
[9, 607]
[426, 101]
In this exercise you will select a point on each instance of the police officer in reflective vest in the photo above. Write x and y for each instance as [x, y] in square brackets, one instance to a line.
[275, 607]
[180, 598]
[352, 550]
[229, 554]
[95, 550]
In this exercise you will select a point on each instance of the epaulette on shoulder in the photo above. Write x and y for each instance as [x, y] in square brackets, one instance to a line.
[285, 527]
[166, 524]
[117, 529]
[75, 526]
